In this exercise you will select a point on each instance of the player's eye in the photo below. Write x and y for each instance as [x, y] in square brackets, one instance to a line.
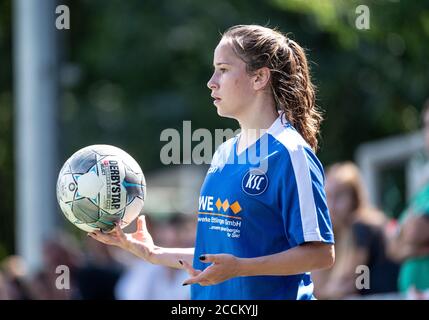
[222, 70]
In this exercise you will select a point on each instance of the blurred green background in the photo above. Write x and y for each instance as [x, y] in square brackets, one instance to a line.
[130, 69]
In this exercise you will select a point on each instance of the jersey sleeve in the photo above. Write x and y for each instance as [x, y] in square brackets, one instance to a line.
[303, 200]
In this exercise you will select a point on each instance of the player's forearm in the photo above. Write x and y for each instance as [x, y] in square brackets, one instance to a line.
[170, 256]
[304, 258]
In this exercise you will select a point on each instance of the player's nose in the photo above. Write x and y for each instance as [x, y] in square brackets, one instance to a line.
[212, 84]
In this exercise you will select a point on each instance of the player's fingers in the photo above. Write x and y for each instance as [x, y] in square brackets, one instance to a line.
[95, 236]
[197, 279]
[193, 272]
[189, 268]
[204, 283]
[209, 258]
[102, 237]
[118, 231]
[141, 224]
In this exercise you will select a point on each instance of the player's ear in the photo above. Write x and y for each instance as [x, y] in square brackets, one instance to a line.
[261, 78]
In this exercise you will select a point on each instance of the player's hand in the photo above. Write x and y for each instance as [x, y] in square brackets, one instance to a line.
[223, 267]
[139, 243]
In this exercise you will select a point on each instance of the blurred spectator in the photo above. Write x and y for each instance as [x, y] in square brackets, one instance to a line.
[360, 239]
[14, 278]
[97, 277]
[145, 281]
[60, 249]
[4, 288]
[410, 243]
[93, 272]
[7, 289]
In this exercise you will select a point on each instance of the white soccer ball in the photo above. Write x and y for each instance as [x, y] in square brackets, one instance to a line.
[101, 185]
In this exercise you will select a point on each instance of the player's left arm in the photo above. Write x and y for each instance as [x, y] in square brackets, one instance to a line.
[304, 258]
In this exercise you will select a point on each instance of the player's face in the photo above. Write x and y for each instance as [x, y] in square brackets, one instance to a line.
[231, 85]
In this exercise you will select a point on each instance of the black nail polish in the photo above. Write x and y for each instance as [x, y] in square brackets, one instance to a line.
[185, 284]
[181, 262]
[202, 257]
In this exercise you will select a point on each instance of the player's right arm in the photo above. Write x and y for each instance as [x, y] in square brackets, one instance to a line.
[140, 243]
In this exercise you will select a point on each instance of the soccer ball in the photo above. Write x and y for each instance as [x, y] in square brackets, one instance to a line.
[101, 185]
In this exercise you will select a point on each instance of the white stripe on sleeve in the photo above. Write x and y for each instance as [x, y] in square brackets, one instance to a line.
[294, 143]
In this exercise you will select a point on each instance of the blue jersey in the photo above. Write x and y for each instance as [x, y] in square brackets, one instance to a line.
[265, 200]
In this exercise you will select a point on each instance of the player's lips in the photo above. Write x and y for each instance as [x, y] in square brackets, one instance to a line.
[216, 99]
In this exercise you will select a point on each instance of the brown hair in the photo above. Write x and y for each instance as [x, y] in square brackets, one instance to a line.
[291, 86]
[348, 175]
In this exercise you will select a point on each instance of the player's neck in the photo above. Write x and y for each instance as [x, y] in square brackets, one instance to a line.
[260, 115]
[255, 122]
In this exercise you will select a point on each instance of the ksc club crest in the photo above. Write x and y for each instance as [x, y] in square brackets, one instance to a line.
[254, 182]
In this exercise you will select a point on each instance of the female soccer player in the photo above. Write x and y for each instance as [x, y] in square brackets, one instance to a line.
[263, 222]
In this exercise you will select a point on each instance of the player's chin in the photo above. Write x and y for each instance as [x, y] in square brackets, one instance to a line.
[220, 113]
[223, 111]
